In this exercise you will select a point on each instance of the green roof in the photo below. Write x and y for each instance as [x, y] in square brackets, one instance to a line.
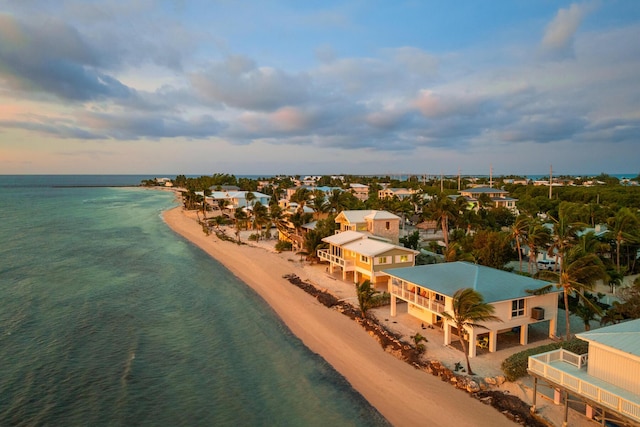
[446, 278]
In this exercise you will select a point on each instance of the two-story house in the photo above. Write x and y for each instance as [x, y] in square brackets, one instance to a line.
[400, 193]
[364, 256]
[378, 223]
[499, 198]
[429, 290]
[606, 378]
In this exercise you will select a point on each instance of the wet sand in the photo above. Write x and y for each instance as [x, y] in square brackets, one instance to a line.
[402, 394]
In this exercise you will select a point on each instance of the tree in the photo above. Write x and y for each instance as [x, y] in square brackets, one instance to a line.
[260, 217]
[536, 238]
[367, 297]
[582, 271]
[624, 224]
[518, 230]
[443, 210]
[469, 308]
[240, 218]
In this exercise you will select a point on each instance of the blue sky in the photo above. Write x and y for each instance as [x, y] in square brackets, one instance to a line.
[319, 87]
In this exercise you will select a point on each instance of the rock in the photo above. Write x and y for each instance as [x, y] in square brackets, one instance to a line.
[500, 379]
[490, 381]
[473, 387]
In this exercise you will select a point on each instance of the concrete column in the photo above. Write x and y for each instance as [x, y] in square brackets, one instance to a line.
[557, 396]
[447, 333]
[552, 327]
[493, 341]
[524, 334]
[472, 343]
[393, 306]
[589, 412]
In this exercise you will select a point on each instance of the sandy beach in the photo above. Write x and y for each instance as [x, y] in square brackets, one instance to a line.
[402, 394]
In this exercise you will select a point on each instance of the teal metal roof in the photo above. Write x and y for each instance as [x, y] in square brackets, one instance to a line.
[623, 336]
[447, 278]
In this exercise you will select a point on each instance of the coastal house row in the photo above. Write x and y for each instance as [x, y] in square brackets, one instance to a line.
[499, 198]
[606, 378]
[429, 290]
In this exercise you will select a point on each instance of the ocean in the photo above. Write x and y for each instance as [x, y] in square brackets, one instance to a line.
[107, 317]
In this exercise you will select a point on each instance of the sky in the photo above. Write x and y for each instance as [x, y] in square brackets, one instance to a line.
[362, 87]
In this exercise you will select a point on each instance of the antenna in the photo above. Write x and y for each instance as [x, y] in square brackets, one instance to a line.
[550, 181]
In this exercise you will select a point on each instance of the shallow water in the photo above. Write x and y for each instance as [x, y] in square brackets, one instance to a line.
[109, 318]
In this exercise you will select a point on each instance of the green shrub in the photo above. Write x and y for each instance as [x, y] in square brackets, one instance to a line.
[283, 246]
[515, 366]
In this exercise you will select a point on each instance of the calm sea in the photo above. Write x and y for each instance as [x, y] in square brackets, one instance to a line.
[109, 318]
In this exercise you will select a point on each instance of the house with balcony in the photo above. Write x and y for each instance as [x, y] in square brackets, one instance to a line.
[606, 378]
[378, 223]
[360, 191]
[429, 289]
[364, 257]
[499, 198]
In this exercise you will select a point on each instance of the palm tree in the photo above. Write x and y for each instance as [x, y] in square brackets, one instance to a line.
[260, 217]
[563, 237]
[240, 217]
[536, 237]
[469, 308]
[366, 296]
[518, 230]
[624, 224]
[443, 210]
[582, 271]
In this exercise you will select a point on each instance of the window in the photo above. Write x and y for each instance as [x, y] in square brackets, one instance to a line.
[404, 258]
[388, 225]
[364, 258]
[382, 260]
[517, 307]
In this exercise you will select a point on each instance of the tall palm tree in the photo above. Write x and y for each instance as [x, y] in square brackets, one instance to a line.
[582, 271]
[469, 308]
[240, 216]
[563, 237]
[518, 230]
[625, 223]
[443, 210]
[260, 217]
[537, 237]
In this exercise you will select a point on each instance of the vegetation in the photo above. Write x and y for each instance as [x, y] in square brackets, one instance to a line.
[515, 366]
[469, 308]
[369, 298]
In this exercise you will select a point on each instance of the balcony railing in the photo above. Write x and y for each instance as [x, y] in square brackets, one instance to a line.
[418, 300]
[540, 364]
[325, 255]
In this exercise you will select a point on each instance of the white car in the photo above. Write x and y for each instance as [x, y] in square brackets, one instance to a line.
[546, 264]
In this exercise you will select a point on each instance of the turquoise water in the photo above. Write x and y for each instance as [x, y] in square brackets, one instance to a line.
[109, 318]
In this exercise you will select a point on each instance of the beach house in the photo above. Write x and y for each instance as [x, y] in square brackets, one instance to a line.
[429, 289]
[606, 378]
[364, 256]
[378, 223]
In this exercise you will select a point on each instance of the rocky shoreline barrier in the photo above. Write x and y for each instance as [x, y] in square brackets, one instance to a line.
[480, 388]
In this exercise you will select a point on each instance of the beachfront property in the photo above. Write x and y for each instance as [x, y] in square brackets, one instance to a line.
[377, 223]
[499, 198]
[606, 378]
[364, 256]
[429, 289]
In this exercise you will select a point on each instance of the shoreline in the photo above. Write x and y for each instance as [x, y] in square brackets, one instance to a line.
[401, 393]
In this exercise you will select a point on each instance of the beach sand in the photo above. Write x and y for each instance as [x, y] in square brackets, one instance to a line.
[402, 394]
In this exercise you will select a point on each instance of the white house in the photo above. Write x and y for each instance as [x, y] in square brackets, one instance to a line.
[429, 290]
[606, 378]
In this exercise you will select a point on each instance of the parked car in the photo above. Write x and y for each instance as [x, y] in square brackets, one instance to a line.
[546, 264]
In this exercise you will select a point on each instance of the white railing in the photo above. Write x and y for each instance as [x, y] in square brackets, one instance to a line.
[418, 300]
[540, 365]
[325, 255]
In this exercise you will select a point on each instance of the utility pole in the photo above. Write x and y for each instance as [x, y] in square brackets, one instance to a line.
[459, 179]
[441, 183]
[490, 176]
[550, 181]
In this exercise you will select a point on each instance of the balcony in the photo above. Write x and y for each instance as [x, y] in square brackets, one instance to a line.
[346, 265]
[568, 370]
[416, 299]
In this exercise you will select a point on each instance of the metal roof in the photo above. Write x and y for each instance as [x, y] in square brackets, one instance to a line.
[344, 237]
[360, 216]
[623, 336]
[446, 278]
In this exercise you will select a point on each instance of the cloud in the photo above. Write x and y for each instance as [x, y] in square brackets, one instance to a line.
[557, 41]
[238, 82]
